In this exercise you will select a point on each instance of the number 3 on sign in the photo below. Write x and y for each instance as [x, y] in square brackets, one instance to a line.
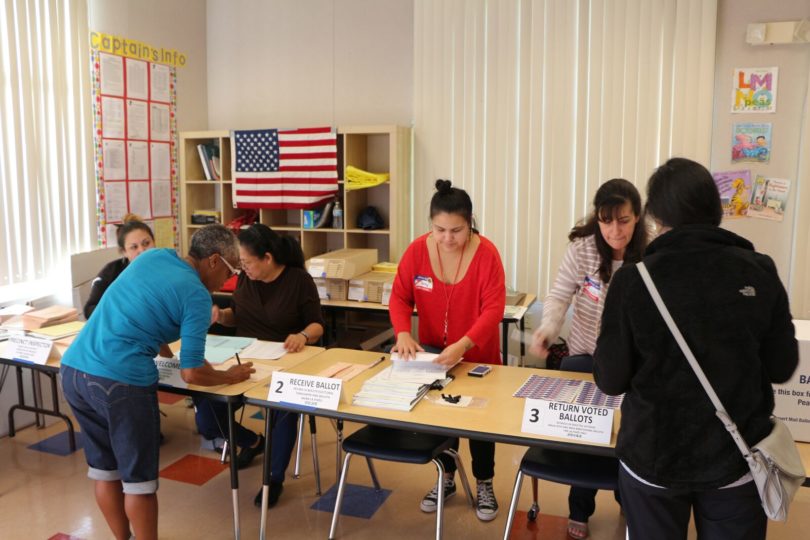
[533, 416]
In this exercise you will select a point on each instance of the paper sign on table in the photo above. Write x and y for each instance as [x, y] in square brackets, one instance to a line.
[568, 420]
[30, 349]
[169, 372]
[307, 390]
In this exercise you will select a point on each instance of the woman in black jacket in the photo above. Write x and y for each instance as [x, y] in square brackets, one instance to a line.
[733, 311]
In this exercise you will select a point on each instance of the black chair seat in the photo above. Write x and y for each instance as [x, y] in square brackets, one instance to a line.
[396, 445]
[595, 472]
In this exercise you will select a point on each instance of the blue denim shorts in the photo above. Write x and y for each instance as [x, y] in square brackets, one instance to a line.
[120, 426]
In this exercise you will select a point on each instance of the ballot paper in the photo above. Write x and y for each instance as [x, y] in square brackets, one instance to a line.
[264, 350]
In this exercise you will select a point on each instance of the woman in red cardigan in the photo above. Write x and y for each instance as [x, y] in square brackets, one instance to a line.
[455, 278]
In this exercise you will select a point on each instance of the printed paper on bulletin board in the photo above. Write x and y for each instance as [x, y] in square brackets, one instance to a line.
[134, 103]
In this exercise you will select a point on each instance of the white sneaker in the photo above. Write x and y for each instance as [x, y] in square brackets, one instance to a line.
[431, 501]
[486, 507]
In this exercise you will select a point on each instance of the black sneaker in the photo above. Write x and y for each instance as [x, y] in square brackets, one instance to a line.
[431, 501]
[275, 492]
[247, 454]
[486, 507]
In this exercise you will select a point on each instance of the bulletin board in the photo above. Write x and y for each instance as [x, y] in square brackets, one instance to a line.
[134, 103]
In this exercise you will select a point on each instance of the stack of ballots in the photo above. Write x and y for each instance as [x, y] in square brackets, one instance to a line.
[401, 386]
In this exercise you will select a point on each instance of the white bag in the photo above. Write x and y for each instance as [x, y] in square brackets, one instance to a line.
[775, 463]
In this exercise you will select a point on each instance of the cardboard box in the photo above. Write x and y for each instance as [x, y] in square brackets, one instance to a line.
[332, 289]
[792, 399]
[369, 287]
[342, 263]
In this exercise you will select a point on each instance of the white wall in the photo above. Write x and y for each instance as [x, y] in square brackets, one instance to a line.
[170, 24]
[282, 63]
[793, 61]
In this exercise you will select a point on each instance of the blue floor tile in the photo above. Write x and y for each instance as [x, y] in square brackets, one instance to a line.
[58, 444]
[358, 501]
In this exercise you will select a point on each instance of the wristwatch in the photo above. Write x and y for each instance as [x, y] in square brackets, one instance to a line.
[306, 336]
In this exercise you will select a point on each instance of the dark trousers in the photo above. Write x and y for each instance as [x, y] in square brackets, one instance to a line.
[582, 503]
[483, 459]
[212, 422]
[720, 514]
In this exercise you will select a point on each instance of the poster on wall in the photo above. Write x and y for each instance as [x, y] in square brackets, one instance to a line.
[769, 198]
[735, 192]
[134, 104]
[751, 143]
[754, 90]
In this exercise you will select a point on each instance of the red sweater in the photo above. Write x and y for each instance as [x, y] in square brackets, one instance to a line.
[476, 304]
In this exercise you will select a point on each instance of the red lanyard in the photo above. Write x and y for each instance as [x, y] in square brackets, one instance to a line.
[452, 286]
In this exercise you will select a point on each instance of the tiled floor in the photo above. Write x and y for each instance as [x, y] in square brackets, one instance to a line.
[46, 495]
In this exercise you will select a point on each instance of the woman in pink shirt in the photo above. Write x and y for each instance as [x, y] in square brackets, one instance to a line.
[455, 279]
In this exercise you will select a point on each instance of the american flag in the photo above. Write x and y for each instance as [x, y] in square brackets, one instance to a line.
[276, 168]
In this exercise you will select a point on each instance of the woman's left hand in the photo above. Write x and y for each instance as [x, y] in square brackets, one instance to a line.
[295, 342]
[451, 354]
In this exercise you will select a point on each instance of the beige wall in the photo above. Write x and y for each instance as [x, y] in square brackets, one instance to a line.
[282, 63]
[774, 238]
[171, 24]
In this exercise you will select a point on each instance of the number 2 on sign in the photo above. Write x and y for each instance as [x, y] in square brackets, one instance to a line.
[279, 387]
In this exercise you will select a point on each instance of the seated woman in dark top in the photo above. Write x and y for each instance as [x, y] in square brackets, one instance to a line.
[134, 237]
[275, 300]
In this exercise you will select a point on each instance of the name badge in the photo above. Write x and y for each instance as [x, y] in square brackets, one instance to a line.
[30, 349]
[307, 390]
[424, 283]
[592, 288]
[568, 420]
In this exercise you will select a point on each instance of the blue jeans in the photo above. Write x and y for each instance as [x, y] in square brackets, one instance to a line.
[120, 426]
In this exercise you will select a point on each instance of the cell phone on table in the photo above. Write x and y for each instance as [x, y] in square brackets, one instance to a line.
[479, 371]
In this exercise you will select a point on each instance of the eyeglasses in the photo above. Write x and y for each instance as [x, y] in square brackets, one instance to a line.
[233, 271]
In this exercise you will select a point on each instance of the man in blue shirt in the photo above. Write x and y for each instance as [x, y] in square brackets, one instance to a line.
[110, 379]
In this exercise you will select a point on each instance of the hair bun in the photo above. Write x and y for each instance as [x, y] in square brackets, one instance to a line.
[443, 186]
[131, 217]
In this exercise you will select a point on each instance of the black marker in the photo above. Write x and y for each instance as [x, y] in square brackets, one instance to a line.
[238, 361]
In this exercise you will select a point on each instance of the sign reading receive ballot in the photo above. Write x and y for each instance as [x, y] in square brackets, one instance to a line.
[307, 390]
[568, 420]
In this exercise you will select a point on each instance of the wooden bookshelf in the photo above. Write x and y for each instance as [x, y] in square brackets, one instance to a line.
[378, 149]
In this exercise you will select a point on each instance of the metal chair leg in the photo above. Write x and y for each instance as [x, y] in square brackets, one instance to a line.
[513, 504]
[299, 447]
[439, 498]
[339, 499]
[463, 474]
[339, 445]
[535, 509]
[315, 464]
[373, 473]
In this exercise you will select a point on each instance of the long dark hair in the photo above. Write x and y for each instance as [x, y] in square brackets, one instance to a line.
[452, 200]
[609, 198]
[260, 239]
[131, 222]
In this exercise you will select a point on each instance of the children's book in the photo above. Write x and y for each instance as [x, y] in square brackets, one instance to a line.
[735, 192]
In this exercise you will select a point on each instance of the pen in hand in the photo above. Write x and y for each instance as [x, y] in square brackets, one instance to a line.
[238, 361]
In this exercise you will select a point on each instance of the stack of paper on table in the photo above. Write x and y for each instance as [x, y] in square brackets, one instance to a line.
[397, 390]
[49, 316]
[13, 310]
[59, 331]
[264, 350]
[220, 348]
[423, 363]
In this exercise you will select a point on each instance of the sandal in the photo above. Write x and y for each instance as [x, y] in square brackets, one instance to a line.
[577, 529]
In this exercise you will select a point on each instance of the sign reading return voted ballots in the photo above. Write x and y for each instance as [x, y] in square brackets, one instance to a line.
[568, 420]
[307, 390]
[30, 349]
